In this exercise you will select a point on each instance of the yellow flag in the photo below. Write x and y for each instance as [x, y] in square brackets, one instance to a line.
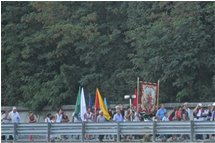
[102, 105]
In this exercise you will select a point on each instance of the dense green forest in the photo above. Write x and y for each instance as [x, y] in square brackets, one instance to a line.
[48, 49]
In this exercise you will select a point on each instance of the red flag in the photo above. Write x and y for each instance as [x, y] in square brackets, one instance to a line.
[134, 102]
[96, 105]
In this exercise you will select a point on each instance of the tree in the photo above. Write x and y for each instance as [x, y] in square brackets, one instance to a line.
[50, 48]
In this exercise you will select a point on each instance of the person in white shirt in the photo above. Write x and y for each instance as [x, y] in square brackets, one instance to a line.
[187, 109]
[58, 116]
[5, 117]
[89, 115]
[165, 118]
[14, 116]
[136, 115]
[47, 119]
[208, 112]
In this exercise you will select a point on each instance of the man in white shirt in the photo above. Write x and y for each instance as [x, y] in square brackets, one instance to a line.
[14, 116]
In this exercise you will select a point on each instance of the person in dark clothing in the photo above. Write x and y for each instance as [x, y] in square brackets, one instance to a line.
[172, 115]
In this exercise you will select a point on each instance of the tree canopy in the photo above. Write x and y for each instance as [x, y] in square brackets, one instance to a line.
[48, 49]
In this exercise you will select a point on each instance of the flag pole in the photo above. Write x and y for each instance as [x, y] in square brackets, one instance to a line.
[158, 93]
[138, 92]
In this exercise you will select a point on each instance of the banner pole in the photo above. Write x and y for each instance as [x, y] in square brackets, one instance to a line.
[158, 93]
[138, 92]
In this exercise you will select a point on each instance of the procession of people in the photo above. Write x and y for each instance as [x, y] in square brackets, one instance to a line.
[119, 114]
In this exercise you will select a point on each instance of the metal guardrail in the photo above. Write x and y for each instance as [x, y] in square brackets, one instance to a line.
[49, 130]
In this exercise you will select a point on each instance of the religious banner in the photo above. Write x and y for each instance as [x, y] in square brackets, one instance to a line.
[149, 96]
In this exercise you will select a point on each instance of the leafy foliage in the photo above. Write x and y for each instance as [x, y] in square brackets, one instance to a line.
[50, 48]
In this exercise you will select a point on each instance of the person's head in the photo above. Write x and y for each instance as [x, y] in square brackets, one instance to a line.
[199, 105]
[52, 118]
[121, 106]
[97, 111]
[63, 113]
[179, 108]
[118, 110]
[88, 109]
[101, 113]
[184, 107]
[213, 105]
[30, 113]
[162, 105]
[134, 108]
[14, 109]
[185, 104]
[3, 111]
[210, 106]
[59, 111]
[48, 115]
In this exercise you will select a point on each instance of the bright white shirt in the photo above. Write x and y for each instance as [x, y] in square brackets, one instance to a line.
[199, 114]
[15, 118]
[58, 118]
[165, 118]
[47, 120]
[89, 117]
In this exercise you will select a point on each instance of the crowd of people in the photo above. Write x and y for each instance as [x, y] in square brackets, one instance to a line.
[119, 114]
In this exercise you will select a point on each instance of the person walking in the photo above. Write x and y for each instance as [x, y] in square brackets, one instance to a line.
[58, 116]
[14, 117]
[118, 116]
[128, 115]
[65, 118]
[5, 119]
[31, 119]
[198, 114]
[47, 119]
[100, 119]
[136, 115]
[88, 117]
[160, 112]
[185, 106]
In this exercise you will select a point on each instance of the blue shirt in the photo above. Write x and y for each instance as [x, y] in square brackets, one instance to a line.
[160, 113]
[117, 118]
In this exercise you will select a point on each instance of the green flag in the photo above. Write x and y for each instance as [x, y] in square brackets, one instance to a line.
[78, 101]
